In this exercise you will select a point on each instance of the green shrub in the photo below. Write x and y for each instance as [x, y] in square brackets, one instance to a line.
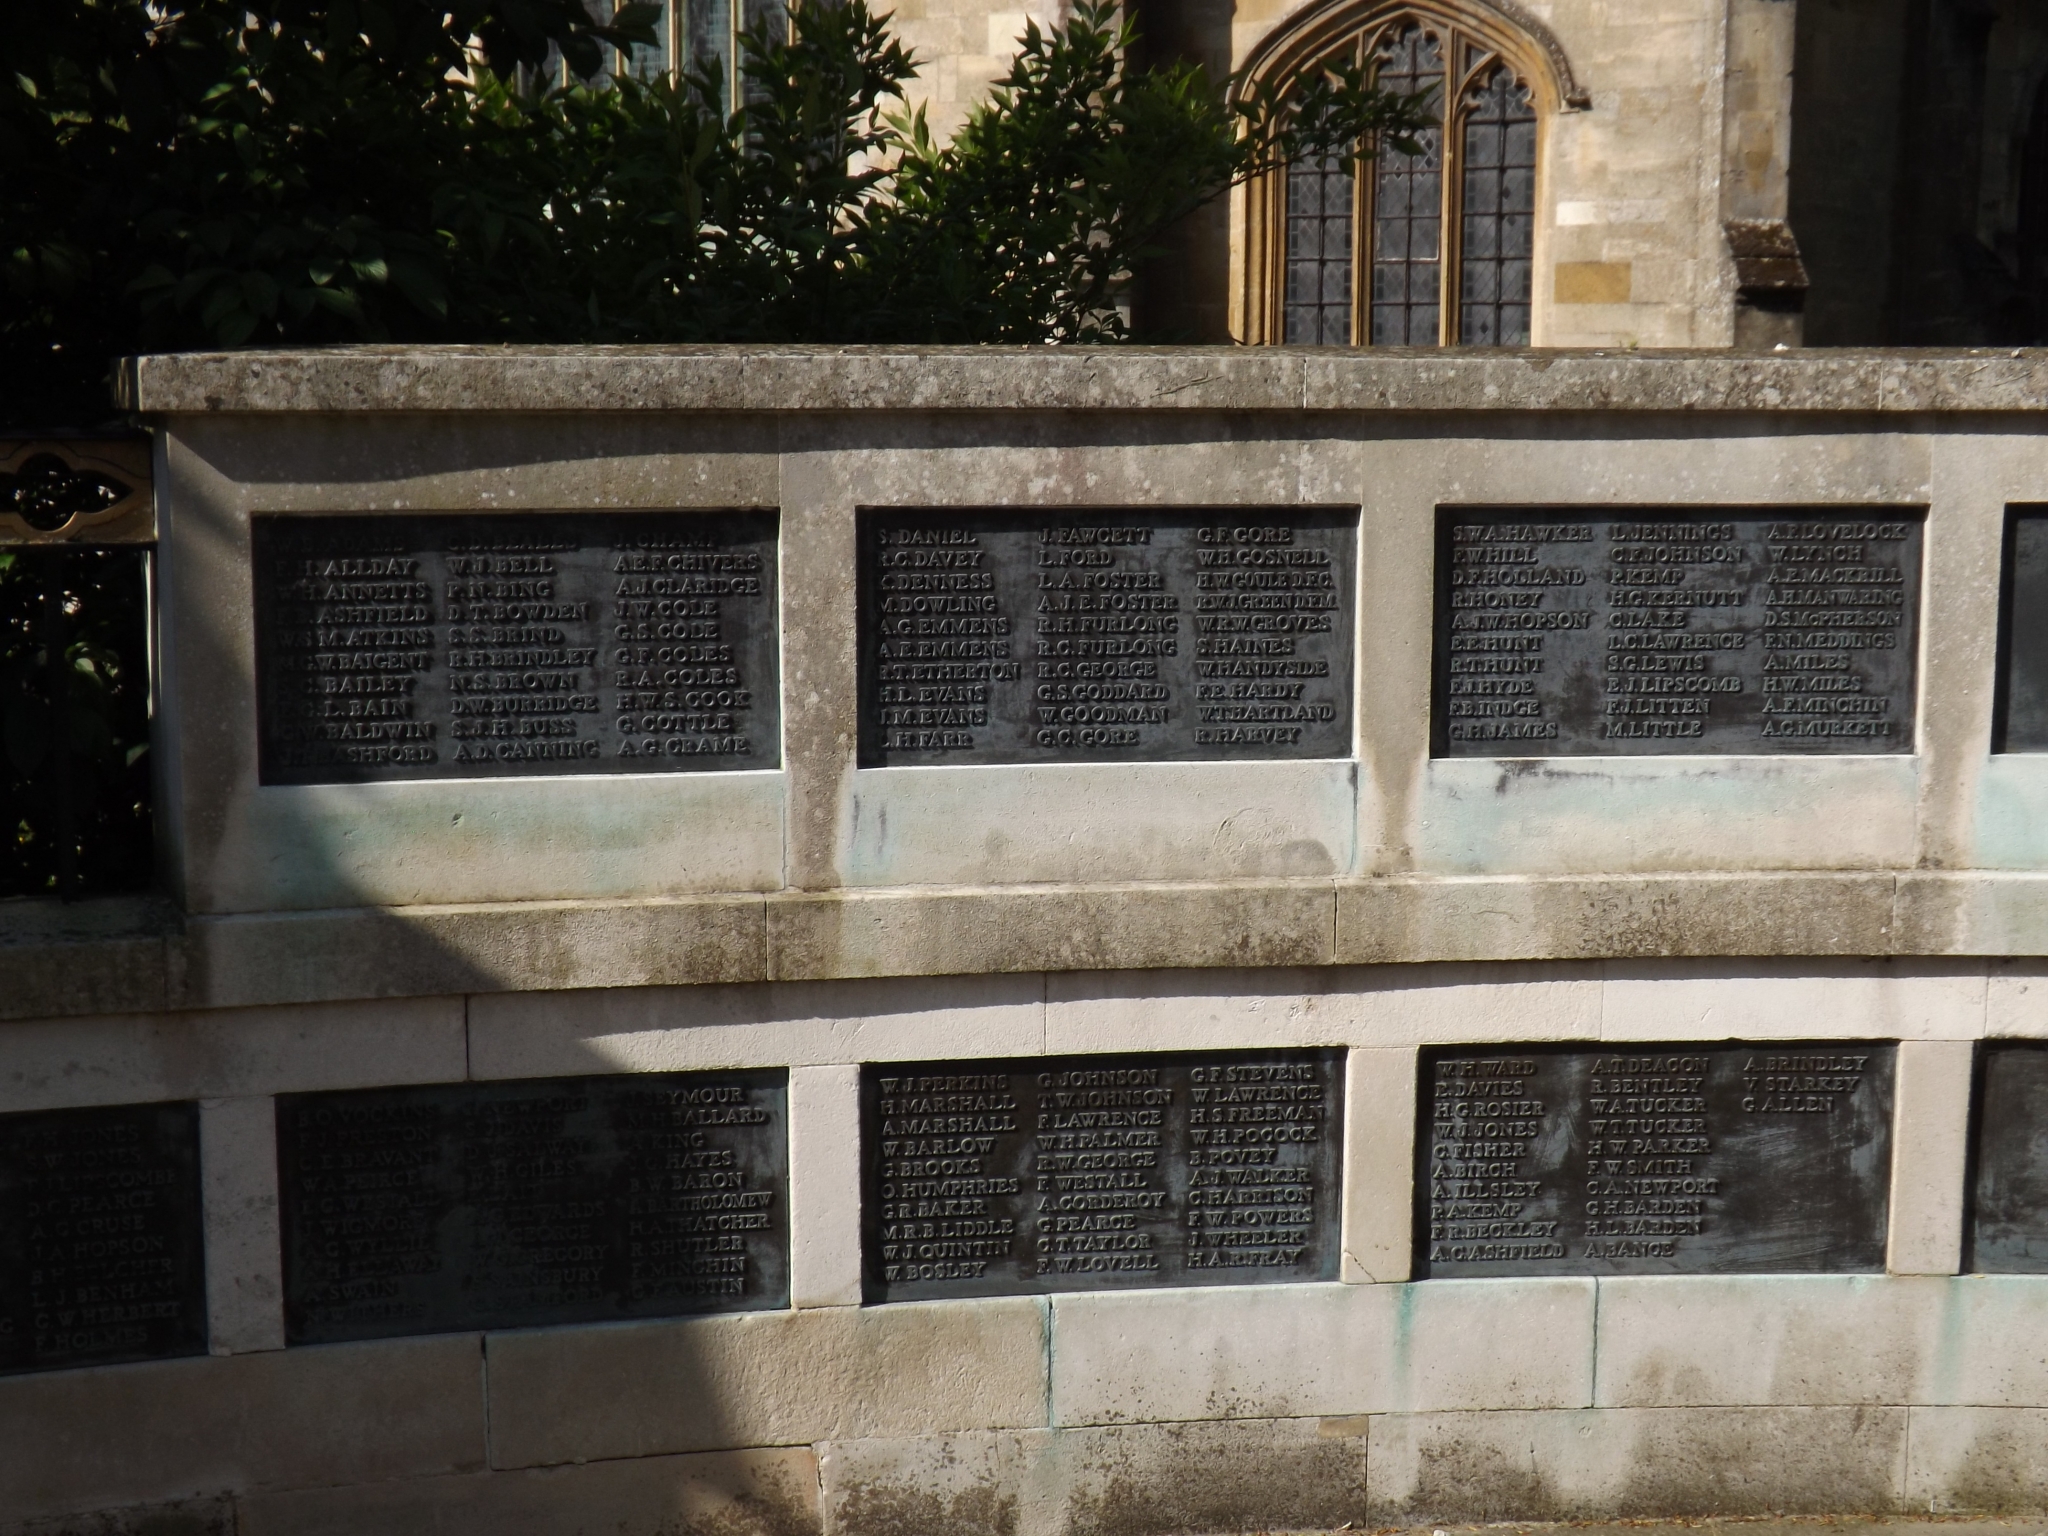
[178, 174]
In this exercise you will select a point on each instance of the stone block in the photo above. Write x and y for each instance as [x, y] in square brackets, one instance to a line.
[1973, 912]
[984, 1483]
[1613, 917]
[1635, 1463]
[231, 1053]
[1930, 1157]
[681, 1029]
[1032, 823]
[1592, 282]
[1455, 1004]
[1379, 1164]
[1169, 1479]
[187, 1517]
[1820, 1339]
[244, 1264]
[1138, 1480]
[2008, 830]
[620, 838]
[1644, 815]
[1293, 1351]
[724, 1493]
[765, 1378]
[375, 952]
[64, 959]
[1696, 1340]
[1792, 1000]
[1990, 1343]
[1988, 1461]
[2016, 1000]
[824, 1186]
[1192, 1010]
[1049, 928]
[181, 1429]
[1348, 1005]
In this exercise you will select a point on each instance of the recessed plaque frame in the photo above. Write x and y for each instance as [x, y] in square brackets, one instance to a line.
[1596, 630]
[2006, 1227]
[1722, 1157]
[532, 1202]
[101, 1236]
[1114, 1172]
[1106, 634]
[2020, 710]
[490, 645]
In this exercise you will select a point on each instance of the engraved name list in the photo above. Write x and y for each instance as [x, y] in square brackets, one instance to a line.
[1654, 1160]
[1731, 631]
[1094, 1172]
[551, 643]
[1108, 635]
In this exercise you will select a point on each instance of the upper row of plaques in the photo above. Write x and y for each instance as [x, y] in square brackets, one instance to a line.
[465, 645]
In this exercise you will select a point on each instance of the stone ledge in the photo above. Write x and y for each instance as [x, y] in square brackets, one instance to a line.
[147, 962]
[790, 379]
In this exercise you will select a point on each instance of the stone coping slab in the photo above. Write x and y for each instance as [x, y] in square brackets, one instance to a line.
[136, 956]
[956, 379]
[1738, 1525]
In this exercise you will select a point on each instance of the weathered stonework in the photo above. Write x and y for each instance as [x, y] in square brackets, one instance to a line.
[820, 916]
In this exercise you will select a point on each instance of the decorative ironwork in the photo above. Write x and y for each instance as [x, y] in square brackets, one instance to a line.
[75, 493]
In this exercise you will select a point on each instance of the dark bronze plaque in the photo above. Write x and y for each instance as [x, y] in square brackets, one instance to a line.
[1105, 634]
[2023, 681]
[1654, 1160]
[454, 647]
[507, 1205]
[1079, 1173]
[101, 1258]
[1567, 631]
[2009, 1201]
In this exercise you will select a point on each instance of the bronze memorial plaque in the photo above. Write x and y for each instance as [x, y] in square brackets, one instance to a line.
[513, 1204]
[1566, 631]
[2008, 1225]
[1105, 634]
[481, 645]
[1654, 1159]
[101, 1257]
[1071, 1173]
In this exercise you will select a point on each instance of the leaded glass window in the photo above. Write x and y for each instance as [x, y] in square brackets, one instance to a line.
[1365, 259]
[1320, 198]
[1408, 205]
[691, 37]
[1499, 218]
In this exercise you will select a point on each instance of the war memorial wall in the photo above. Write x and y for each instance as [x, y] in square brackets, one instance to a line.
[858, 942]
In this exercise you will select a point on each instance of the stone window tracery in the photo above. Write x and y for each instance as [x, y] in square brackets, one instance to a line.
[1428, 248]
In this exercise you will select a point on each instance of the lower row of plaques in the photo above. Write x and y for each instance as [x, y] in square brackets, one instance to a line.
[500, 1205]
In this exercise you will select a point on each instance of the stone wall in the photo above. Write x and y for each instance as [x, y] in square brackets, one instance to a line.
[1688, 123]
[821, 916]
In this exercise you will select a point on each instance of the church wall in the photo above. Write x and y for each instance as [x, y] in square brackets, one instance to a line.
[1913, 240]
[1630, 251]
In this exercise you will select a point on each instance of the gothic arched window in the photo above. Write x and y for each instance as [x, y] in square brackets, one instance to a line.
[1428, 248]
[691, 38]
